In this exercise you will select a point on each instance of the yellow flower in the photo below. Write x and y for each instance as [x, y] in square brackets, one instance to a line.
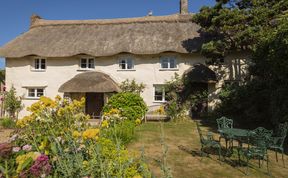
[138, 121]
[76, 134]
[85, 163]
[137, 176]
[46, 152]
[20, 160]
[105, 124]
[91, 134]
[42, 145]
[24, 122]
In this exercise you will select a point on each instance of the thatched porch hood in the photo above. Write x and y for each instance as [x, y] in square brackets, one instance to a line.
[144, 35]
[90, 82]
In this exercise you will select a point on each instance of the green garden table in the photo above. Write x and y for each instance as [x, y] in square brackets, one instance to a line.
[236, 134]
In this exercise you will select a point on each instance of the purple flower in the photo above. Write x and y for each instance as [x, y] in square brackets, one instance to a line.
[41, 166]
[27, 147]
[16, 149]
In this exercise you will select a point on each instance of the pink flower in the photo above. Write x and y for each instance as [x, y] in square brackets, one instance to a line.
[16, 149]
[27, 147]
[41, 166]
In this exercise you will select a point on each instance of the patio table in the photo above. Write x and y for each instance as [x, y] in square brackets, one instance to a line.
[236, 134]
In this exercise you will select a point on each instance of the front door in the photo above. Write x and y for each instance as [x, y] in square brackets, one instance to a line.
[94, 104]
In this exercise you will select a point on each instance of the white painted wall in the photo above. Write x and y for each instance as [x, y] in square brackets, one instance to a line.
[147, 70]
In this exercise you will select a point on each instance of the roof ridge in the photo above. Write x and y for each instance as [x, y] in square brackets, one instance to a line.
[38, 21]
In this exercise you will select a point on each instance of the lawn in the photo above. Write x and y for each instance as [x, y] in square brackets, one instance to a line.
[183, 153]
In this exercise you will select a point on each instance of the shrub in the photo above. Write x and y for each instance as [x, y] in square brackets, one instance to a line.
[131, 105]
[7, 123]
[132, 86]
[12, 103]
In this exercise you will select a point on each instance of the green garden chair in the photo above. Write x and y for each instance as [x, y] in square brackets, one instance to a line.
[258, 142]
[208, 141]
[277, 141]
[223, 123]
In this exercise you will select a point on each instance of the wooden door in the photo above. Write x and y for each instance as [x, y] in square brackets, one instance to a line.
[94, 104]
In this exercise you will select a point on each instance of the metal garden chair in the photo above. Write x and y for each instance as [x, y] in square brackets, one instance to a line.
[223, 123]
[277, 141]
[208, 141]
[258, 143]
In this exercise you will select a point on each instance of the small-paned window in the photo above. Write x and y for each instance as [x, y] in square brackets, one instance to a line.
[40, 64]
[87, 63]
[159, 93]
[168, 63]
[35, 92]
[126, 64]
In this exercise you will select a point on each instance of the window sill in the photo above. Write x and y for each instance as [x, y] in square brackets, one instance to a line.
[30, 98]
[159, 101]
[120, 70]
[169, 69]
[38, 70]
[85, 70]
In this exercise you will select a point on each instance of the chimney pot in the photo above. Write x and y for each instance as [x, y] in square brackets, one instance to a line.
[184, 7]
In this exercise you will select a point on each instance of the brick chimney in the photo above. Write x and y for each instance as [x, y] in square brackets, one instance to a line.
[183, 7]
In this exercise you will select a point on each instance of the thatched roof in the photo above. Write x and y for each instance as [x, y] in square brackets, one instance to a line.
[90, 82]
[144, 35]
[200, 73]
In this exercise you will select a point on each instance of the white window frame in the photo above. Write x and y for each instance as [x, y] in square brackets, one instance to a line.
[35, 92]
[169, 58]
[87, 62]
[126, 64]
[39, 68]
[163, 100]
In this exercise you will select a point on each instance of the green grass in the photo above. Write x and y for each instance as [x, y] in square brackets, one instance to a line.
[183, 153]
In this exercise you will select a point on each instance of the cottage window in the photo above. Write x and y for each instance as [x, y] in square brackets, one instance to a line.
[35, 92]
[159, 93]
[168, 63]
[87, 63]
[40, 64]
[126, 64]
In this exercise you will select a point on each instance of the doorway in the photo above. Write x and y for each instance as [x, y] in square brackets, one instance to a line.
[94, 104]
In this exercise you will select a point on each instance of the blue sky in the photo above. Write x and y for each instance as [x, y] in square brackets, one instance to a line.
[15, 14]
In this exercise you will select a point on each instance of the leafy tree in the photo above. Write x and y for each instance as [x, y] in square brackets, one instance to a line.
[132, 86]
[261, 27]
[12, 103]
[238, 24]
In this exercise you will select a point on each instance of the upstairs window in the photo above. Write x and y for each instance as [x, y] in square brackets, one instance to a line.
[87, 63]
[40, 64]
[126, 64]
[168, 63]
[35, 93]
[159, 93]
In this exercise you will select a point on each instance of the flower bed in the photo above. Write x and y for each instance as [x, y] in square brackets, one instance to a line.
[56, 140]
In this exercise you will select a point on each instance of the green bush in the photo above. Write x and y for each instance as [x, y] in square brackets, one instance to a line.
[7, 123]
[131, 105]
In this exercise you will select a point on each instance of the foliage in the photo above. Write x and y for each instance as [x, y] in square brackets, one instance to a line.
[130, 105]
[7, 123]
[12, 103]
[56, 140]
[122, 132]
[238, 24]
[2, 76]
[132, 86]
[181, 96]
[263, 101]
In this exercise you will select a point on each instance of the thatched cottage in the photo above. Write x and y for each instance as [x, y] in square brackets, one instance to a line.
[90, 58]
